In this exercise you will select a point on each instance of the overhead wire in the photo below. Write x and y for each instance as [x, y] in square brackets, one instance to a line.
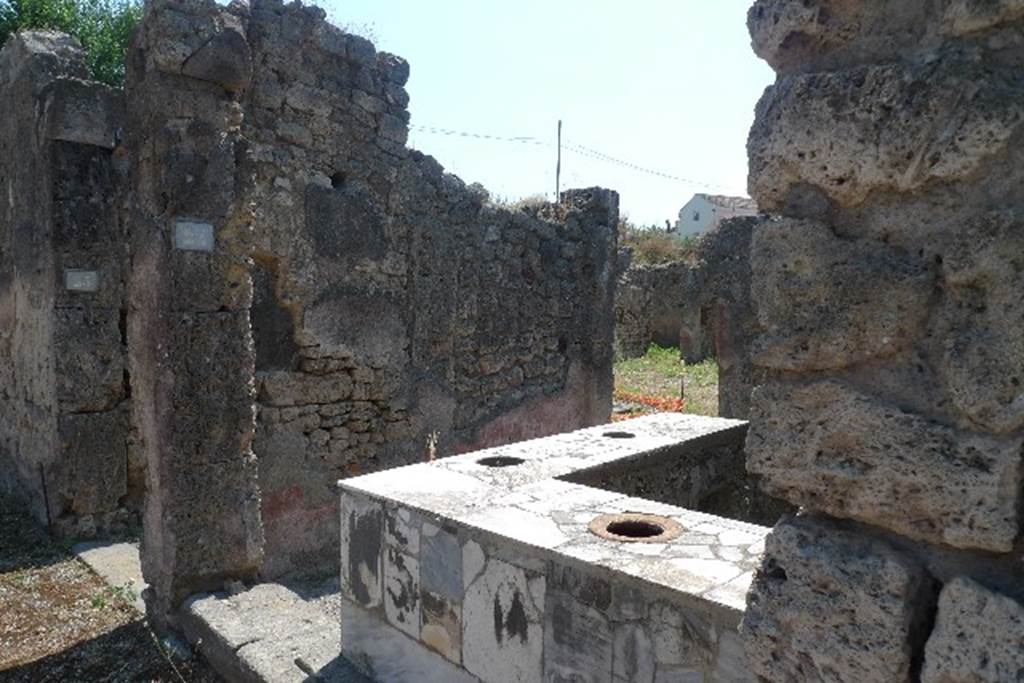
[573, 147]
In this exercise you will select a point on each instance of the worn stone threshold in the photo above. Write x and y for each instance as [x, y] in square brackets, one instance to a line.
[271, 633]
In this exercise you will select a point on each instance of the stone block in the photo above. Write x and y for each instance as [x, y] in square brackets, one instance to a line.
[92, 462]
[502, 624]
[824, 303]
[978, 636]
[402, 529]
[84, 112]
[633, 654]
[89, 356]
[981, 321]
[282, 388]
[441, 563]
[387, 655]
[225, 59]
[204, 281]
[442, 625]
[833, 605]
[963, 17]
[578, 643]
[831, 448]
[943, 121]
[362, 528]
[402, 591]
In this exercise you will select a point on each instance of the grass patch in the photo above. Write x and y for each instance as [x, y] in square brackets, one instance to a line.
[661, 373]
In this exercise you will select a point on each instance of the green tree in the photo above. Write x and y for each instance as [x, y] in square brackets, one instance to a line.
[103, 27]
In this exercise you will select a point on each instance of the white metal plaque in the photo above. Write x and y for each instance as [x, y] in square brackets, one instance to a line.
[78, 280]
[192, 235]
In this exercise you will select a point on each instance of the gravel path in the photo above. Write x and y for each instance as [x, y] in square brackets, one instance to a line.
[61, 622]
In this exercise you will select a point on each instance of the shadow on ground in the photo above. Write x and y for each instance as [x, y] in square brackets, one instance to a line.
[127, 653]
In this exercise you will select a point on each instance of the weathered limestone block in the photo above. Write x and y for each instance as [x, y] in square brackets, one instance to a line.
[43, 54]
[978, 637]
[297, 388]
[831, 605]
[824, 302]
[786, 33]
[200, 42]
[981, 322]
[93, 462]
[831, 448]
[881, 128]
[83, 112]
[89, 359]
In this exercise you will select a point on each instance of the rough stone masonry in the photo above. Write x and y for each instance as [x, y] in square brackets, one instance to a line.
[890, 335]
[311, 299]
[65, 444]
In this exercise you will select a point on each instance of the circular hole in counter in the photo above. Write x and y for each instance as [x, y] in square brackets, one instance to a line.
[500, 461]
[635, 527]
[619, 435]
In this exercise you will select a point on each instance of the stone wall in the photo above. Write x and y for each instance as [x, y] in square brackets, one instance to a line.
[64, 437]
[703, 306]
[719, 315]
[311, 299]
[649, 307]
[890, 335]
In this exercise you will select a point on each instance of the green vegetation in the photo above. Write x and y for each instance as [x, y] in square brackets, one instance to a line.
[103, 27]
[654, 245]
[661, 373]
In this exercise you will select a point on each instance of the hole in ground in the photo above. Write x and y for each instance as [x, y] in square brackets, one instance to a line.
[500, 461]
[619, 435]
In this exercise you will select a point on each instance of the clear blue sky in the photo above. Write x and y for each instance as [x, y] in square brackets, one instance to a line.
[665, 84]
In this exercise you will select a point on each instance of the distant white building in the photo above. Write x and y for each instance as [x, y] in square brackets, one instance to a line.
[704, 211]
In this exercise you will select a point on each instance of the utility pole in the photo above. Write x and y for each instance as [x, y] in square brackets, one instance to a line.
[558, 166]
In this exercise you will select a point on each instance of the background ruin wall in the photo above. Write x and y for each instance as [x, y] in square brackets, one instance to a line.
[891, 335]
[64, 417]
[358, 302]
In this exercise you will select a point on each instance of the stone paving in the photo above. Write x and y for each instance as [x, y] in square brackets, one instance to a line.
[482, 566]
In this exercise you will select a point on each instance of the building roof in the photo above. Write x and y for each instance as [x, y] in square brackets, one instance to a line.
[733, 203]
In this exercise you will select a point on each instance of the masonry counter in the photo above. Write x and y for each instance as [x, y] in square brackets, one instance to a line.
[493, 566]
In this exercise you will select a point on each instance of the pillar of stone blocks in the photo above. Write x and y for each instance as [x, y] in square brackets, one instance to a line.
[891, 328]
[63, 388]
[191, 349]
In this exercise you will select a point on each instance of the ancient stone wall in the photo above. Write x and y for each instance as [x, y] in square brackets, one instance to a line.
[719, 318]
[64, 437]
[312, 300]
[650, 308]
[891, 335]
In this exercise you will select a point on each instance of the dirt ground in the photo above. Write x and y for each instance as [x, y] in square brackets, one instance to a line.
[59, 622]
[660, 374]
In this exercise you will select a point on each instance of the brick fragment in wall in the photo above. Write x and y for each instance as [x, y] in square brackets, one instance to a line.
[826, 303]
[978, 636]
[881, 128]
[831, 448]
[829, 604]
